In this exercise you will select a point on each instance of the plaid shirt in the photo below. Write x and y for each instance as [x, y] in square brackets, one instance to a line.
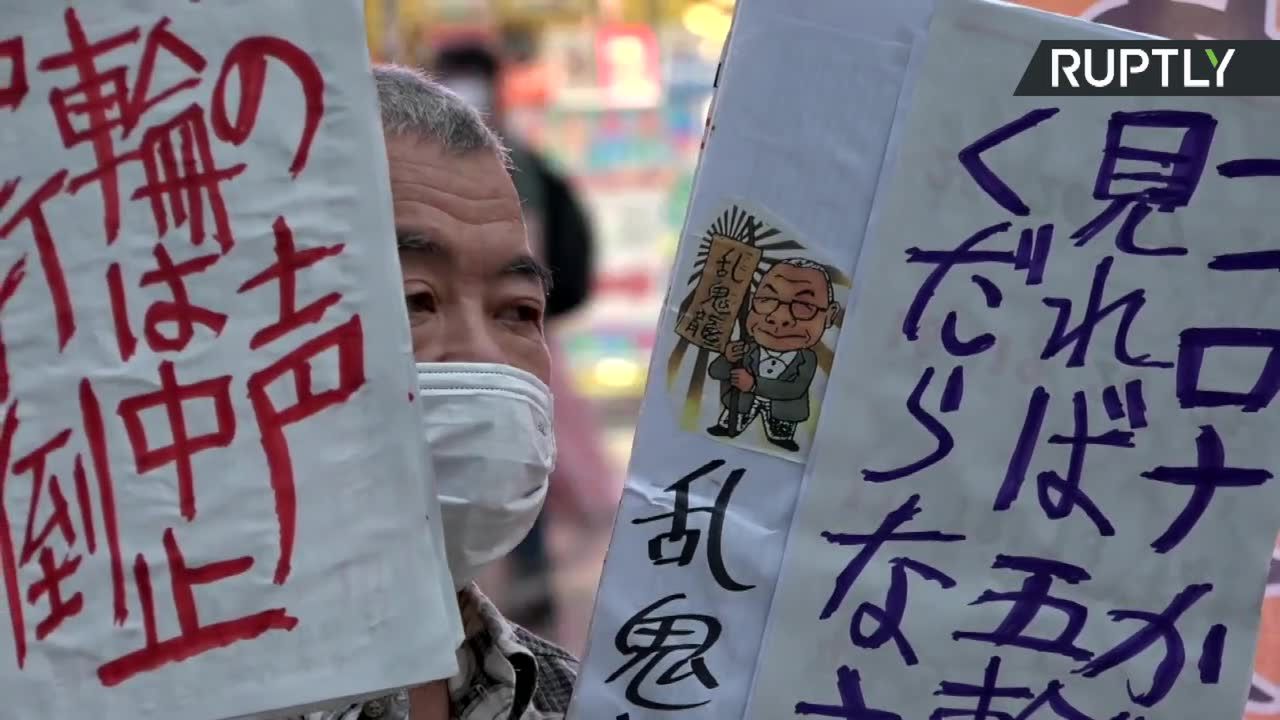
[504, 673]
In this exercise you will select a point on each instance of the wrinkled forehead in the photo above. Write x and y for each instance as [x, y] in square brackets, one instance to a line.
[408, 152]
[429, 182]
[790, 278]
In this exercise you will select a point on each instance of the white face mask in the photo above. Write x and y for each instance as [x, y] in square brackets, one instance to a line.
[489, 431]
[476, 91]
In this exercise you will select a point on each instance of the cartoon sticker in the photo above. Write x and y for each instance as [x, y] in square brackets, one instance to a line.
[757, 329]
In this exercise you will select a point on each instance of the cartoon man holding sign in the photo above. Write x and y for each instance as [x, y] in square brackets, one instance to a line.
[768, 373]
[760, 317]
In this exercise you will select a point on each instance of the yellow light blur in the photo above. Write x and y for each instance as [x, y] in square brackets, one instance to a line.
[708, 21]
[413, 12]
[616, 373]
[626, 51]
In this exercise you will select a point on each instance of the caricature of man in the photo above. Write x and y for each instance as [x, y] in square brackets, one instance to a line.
[768, 375]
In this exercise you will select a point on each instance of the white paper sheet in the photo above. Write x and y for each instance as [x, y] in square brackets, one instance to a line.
[326, 548]
[813, 175]
[974, 56]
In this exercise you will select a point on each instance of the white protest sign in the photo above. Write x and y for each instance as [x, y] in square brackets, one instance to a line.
[724, 432]
[1052, 496]
[214, 492]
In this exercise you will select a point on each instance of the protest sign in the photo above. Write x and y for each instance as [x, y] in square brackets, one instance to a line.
[786, 195]
[213, 491]
[1052, 494]
[1226, 20]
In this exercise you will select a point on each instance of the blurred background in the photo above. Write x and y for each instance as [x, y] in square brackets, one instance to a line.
[605, 102]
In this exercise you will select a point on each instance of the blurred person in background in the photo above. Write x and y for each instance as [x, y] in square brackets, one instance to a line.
[561, 237]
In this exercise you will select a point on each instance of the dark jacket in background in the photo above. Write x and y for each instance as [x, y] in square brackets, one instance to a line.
[567, 239]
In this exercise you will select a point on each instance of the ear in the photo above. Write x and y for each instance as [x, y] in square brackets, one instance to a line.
[833, 313]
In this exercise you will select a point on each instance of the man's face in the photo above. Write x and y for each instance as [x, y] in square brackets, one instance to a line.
[474, 291]
[790, 310]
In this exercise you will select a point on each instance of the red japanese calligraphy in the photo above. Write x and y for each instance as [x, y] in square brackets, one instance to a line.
[15, 91]
[193, 638]
[32, 213]
[81, 480]
[95, 432]
[285, 270]
[93, 98]
[102, 98]
[35, 462]
[177, 156]
[249, 60]
[100, 105]
[348, 340]
[50, 584]
[8, 288]
[8, 559]
[53, 574]
[48, 498]
[180, 311]
[141, 101]
[183, 447]
[125, 339]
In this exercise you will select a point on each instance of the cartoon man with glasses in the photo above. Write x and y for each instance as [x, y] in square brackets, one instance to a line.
[768, 374]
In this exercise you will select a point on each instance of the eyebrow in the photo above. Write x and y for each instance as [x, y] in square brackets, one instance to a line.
[419, 242]
[529, 267]
[523, 266]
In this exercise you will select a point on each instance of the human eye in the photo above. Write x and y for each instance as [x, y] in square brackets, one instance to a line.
[525, 313]
[421, 303]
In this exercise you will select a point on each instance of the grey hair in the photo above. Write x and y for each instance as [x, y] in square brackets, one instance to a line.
[413, 104]
[807, 264]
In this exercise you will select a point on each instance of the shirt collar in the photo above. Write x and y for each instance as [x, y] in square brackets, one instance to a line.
[495, 670]
[778, 355]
